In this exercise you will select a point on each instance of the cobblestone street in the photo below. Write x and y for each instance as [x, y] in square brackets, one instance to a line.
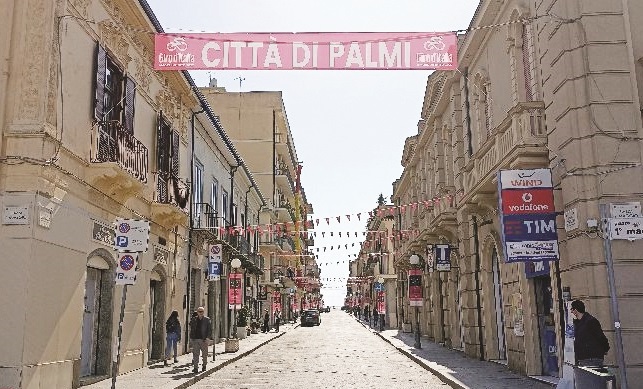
[340, 353]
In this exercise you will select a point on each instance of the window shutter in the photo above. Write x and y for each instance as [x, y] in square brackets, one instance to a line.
[175, 153]
[130, 94]
[162, 146]
[101, 74]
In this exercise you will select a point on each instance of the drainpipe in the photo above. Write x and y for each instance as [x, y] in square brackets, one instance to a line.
[476, 248]
[467, 108]
[233, 170]
[189, 281]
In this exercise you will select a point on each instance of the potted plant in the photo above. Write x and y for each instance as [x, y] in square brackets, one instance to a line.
[242, 321]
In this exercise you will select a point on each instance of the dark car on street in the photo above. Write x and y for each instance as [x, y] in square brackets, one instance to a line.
[310, 317]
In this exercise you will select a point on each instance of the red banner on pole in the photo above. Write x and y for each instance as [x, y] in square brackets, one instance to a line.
[276, 301]
[381, 303]
[235, 290]
[415, 287]
[307, 51]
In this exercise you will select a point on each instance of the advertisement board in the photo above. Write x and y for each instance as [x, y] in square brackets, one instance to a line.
[528, 215]
[235, 290]
[415, 287]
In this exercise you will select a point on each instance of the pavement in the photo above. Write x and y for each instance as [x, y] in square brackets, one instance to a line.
[451, 366]
[179, 375]
[455, 368]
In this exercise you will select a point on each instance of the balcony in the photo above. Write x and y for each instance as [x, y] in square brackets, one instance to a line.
[205, 222]
[283, 178]
[119, 161]
[171, 198]
[520, 140]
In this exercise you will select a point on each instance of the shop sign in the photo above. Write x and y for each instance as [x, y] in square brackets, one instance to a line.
[528, 215]
[442, 257]
[262, 293]
[535, 269]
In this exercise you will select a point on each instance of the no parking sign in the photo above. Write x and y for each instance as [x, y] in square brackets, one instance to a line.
[126, 269]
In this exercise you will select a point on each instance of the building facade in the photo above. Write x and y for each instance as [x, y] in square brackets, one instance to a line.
[258, 126]
[554, 86]
[91, 133]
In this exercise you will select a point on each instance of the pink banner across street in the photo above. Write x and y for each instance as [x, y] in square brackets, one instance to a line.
[309, 51]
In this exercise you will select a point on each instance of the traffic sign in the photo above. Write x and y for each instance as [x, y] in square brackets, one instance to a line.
[126, 269]
[131, 235]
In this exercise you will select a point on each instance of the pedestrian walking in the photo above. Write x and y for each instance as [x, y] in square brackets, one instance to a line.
[172, 336]
[590, 343]
[266, 322]
[375, 316]
[200, 330]
[277, 320]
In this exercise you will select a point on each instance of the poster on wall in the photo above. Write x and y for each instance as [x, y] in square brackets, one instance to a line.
[518, 314]
[528, 215]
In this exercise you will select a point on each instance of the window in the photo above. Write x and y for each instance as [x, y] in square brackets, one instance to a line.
[167, 163]
[224, 207]
[214, 200]
[233, 218]
[198, 188]
[114, 92]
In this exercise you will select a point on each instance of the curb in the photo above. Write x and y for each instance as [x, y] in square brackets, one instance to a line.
[208, 372]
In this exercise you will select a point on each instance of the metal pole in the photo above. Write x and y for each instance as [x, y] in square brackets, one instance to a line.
[417, 344]
[607, 248]
[117, 362]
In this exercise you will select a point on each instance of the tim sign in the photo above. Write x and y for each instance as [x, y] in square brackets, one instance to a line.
[528, 215]
[306, 51]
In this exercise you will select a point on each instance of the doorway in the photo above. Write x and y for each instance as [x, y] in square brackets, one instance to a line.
[156, 314]
[546, 325]
[89, 342]
[500, 319]
[95, 343]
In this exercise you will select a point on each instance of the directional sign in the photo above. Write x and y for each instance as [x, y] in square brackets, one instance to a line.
[126, 269]
[131, 235]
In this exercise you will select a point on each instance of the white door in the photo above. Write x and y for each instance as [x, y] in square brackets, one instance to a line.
[500, 321]
[90, 323]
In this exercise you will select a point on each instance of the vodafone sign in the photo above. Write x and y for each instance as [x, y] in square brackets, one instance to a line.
[528, 216]
[525, 201]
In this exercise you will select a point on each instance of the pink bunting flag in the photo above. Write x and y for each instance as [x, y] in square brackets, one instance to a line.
[359, 216]
[338, 217]
[328, 220]
[348, 217]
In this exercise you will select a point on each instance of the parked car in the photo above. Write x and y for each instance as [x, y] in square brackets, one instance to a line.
[310, 317]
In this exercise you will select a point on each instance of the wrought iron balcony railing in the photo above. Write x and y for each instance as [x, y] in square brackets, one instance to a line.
[204, 217]
[172, 190]
[111, 143]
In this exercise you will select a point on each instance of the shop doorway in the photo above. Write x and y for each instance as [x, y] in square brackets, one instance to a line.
[546, 325]
[500, 318]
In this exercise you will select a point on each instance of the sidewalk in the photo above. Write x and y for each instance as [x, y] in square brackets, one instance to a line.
[453, 367]
[179, 375]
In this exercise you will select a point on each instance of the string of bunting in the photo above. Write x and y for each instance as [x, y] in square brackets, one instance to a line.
[287, 227]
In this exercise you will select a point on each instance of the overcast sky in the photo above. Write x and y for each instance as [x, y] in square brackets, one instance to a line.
[348, 127]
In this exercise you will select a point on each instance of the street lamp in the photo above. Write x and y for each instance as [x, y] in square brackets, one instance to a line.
[236, 264]
[381, 282]
[415, 262]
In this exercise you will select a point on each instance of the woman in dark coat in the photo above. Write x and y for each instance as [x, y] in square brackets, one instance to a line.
[173, 336]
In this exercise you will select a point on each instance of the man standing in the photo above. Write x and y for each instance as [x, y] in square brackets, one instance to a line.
[266, 321]
[277, 320]
[200, 330]
[590, 343]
